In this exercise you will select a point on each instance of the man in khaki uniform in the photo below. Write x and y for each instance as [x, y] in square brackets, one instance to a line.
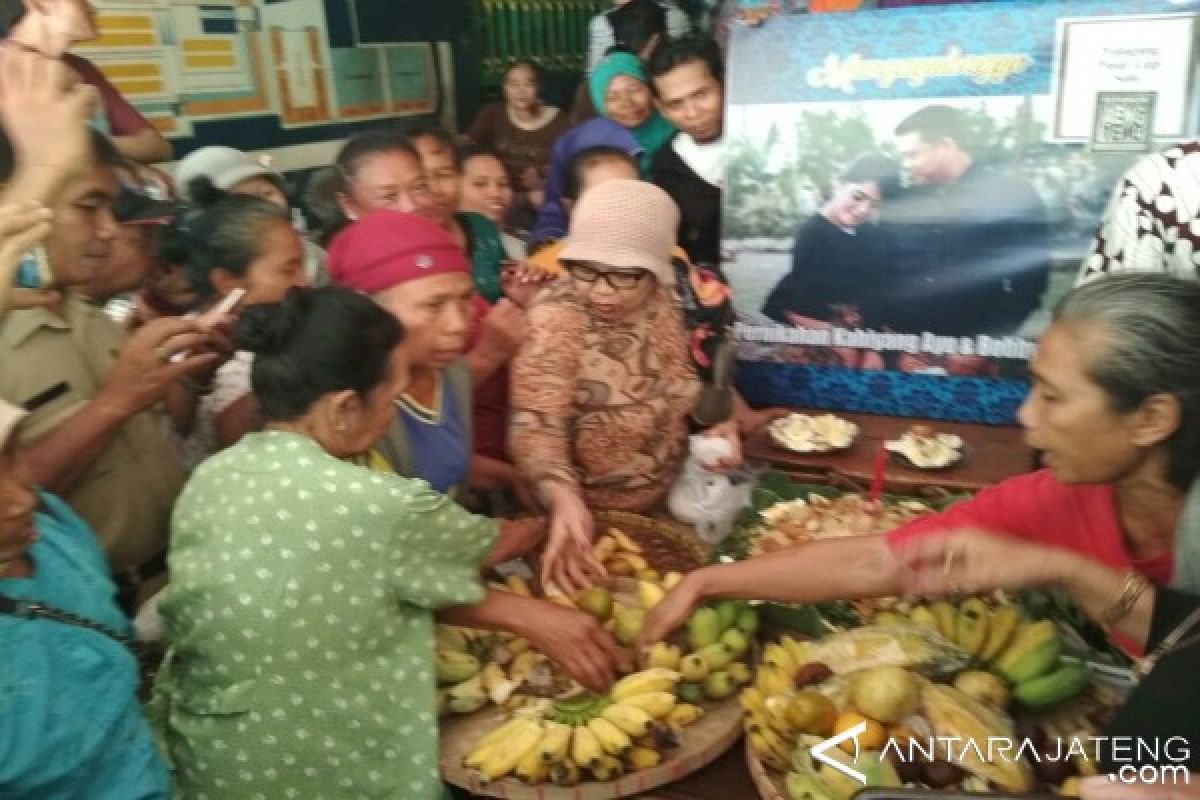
[94, 434]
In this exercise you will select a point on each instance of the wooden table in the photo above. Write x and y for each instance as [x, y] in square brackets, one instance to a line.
[993, 453]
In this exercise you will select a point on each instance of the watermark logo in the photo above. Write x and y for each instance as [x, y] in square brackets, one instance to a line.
[818, 752]
[1134, 760]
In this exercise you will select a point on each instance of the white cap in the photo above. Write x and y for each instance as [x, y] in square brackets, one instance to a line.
[224, 166]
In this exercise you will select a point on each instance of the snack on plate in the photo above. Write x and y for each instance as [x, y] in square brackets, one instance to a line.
[819, 517]
[924, 448]
[801, 433]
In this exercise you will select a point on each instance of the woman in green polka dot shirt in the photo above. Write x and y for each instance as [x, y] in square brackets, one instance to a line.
[303, 588]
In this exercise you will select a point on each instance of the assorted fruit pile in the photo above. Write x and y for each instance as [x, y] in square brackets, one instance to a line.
[556, 732]
[819, 516]
[919, 676]
[1025, 654]
[587, 736]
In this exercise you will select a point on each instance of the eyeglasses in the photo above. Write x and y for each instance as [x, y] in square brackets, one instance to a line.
[620, 280]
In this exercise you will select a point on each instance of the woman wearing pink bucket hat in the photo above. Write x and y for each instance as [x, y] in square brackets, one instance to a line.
[604, 388]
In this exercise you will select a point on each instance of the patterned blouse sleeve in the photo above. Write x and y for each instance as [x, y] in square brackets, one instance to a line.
[438, 549]
[543, 378]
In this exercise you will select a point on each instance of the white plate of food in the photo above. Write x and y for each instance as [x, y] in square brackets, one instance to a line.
[921, 447]
[802, 433]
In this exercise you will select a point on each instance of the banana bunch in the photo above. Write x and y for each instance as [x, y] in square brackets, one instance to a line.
[589, 736]
[780, 708]
[1024, 653]
[624, 557]
[477, 667]
[712, 664]
[951, 713]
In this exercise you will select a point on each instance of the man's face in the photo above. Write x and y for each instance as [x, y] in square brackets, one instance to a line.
[127, 265]
[691, 99]
[924, 162]
[82, 234]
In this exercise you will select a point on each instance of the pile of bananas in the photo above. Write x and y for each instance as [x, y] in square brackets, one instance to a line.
[588, 736]
[623, 557]
[1024, 653]
[478, 667]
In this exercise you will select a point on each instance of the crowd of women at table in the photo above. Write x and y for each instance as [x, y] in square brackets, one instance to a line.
[336, 422]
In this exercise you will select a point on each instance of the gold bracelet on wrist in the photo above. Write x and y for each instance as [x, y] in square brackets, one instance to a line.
[1135, 586]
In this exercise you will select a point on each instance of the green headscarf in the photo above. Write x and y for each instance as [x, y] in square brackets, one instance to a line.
[651, 134]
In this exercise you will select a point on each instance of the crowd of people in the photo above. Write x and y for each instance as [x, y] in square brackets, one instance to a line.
[289, 458]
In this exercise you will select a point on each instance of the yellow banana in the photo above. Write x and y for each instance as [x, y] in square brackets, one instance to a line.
[633, 721]
[779, 656]
[607, 769]
[585, 747]
[604, 549]
[671, 580]
[801, 651]
[656, 704]
[565, 773]
[556, 744]
[753, 699]
[649, 594]
[532, 769]
[655, 679]
[684, 714]
[740, 672]
[773, 755]
[664, 655]
[773, 681]
[971, 625]
[624, 542]
[504, 756]
[517, 585]
[643, 758]
[922, 615]
[947, 618]
[1001, 627]
[614, 740]
[497, 684]
[634, 563]
[497, 734]
[777, 716]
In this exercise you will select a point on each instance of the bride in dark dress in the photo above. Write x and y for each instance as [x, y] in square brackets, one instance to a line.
[834, 277]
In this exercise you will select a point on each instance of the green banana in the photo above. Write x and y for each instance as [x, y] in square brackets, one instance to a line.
[578, 710]
[1063, 683]
[704, 628]
[971, 625]
[947, 618]
[727, 612]
[1001, 627]
[806, 786]
[1034, 650]
[455, 667]
[922, 615]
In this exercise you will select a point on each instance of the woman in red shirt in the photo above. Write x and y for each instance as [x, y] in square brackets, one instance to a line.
[1114, 407]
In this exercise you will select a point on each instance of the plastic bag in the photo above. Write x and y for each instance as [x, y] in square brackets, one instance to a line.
[708, 501]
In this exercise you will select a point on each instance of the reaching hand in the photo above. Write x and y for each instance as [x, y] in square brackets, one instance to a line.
[974, 561]
[577, 642]
[670, 613]
[45, 112]
[568, 562]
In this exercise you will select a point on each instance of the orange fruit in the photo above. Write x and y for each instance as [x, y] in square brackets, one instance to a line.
[873, 738]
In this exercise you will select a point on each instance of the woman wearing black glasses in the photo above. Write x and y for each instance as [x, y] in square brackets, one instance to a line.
[604, 387]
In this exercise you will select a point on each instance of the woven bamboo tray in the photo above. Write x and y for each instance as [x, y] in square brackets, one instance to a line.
[700, 745]
[667, 545]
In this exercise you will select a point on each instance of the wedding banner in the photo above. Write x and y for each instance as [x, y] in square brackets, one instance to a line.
[910, 192]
